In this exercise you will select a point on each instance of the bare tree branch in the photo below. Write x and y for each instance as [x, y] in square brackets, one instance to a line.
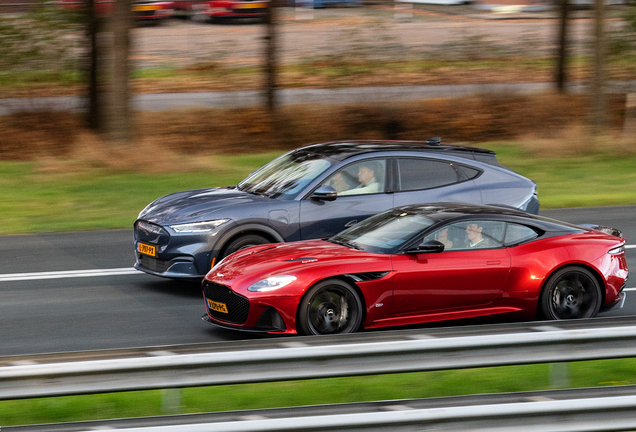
[120, 124]
[598, 82]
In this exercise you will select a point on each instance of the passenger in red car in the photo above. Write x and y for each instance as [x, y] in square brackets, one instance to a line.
[475, 237]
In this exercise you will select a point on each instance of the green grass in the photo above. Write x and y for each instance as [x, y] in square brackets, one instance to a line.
[312, 392]
[341, 65]
[25, 79]
[582, 181]
[102, 199]
[99, 199]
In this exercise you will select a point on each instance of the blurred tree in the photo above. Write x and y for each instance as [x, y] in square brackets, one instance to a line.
[561, 75]
[119, 118]
[598, 81]
[94, 115]
[622, 43]
[271, 60]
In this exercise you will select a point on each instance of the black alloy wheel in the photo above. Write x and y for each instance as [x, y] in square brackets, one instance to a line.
[330, 307]
[570, 293]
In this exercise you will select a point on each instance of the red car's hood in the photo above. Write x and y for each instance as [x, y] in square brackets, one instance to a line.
[305, 258]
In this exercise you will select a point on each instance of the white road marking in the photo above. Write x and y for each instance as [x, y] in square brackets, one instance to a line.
[68, 274]
[629, 289]
[104, 272]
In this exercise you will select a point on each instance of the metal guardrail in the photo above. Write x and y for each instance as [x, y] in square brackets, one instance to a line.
[593, 414]
[418, 353]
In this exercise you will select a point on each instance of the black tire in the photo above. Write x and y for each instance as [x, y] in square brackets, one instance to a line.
[330, 307]
[243, 242]
[571, 292]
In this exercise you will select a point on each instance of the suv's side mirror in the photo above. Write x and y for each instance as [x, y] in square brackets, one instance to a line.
[430, 246]
[324, 193]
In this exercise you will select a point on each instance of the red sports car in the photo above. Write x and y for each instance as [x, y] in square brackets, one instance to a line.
[216, 10]
[421, 263]
[143, 10]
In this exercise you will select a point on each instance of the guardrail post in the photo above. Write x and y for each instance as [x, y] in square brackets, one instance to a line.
[559, 375]
[171, 401]
[629, 128]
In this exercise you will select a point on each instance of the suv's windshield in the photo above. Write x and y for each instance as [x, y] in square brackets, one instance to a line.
[285, 176]
[383, 233]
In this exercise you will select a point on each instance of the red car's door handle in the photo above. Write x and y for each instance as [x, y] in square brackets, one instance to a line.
[493, 262]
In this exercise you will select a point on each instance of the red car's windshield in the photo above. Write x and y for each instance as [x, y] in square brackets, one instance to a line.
[383, 233]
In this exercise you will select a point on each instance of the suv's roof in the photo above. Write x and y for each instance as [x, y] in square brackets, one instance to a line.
[341, 150]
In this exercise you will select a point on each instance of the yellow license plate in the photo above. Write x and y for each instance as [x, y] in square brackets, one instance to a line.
[146, 249]
[250, 5]
[216, 306]
[145, 8]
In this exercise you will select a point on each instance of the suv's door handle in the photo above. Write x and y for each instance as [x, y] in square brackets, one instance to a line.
[351, 223]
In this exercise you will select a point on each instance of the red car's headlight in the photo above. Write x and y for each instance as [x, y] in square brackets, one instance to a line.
[272, 283]
[617, 250]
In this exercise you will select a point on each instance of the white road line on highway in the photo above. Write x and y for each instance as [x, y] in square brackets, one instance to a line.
[102, 272]
[68, 274]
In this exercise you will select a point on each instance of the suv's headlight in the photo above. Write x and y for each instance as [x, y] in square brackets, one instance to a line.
[272, 283]
[198, 227]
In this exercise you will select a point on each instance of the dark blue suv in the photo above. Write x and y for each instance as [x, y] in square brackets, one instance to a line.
[316, 192]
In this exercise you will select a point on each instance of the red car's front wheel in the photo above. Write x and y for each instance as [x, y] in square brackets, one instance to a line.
[330, 307]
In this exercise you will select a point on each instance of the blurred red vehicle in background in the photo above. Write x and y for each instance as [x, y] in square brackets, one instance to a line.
[143, 10]
[217, 10]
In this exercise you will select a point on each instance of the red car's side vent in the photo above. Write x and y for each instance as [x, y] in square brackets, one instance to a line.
[369, 276]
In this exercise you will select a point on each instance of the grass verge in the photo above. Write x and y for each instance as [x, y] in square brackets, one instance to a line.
[334, 71]
[35, 200]
[313, 392]
[38, 198]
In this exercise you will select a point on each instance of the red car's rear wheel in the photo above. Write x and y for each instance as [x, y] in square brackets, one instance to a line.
[571, 292]
[330, 307]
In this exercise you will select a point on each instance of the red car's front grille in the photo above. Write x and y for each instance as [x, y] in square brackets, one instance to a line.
[238, 307]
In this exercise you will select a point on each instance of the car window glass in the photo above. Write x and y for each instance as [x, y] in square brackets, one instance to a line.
[418, 173]
[516, 234]
[470, 235]
[384, 232]
[366, 177]
[466, 173]
[285, 176]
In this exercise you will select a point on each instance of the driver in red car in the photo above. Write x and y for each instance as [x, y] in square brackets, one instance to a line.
[475, 237]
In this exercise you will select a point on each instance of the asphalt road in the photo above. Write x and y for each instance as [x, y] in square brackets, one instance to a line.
[127, 309]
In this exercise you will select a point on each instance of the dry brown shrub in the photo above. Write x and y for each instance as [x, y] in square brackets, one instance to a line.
[575, 140]
[27, 136]
[91, 151]
[175, 140]
[578, 140]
